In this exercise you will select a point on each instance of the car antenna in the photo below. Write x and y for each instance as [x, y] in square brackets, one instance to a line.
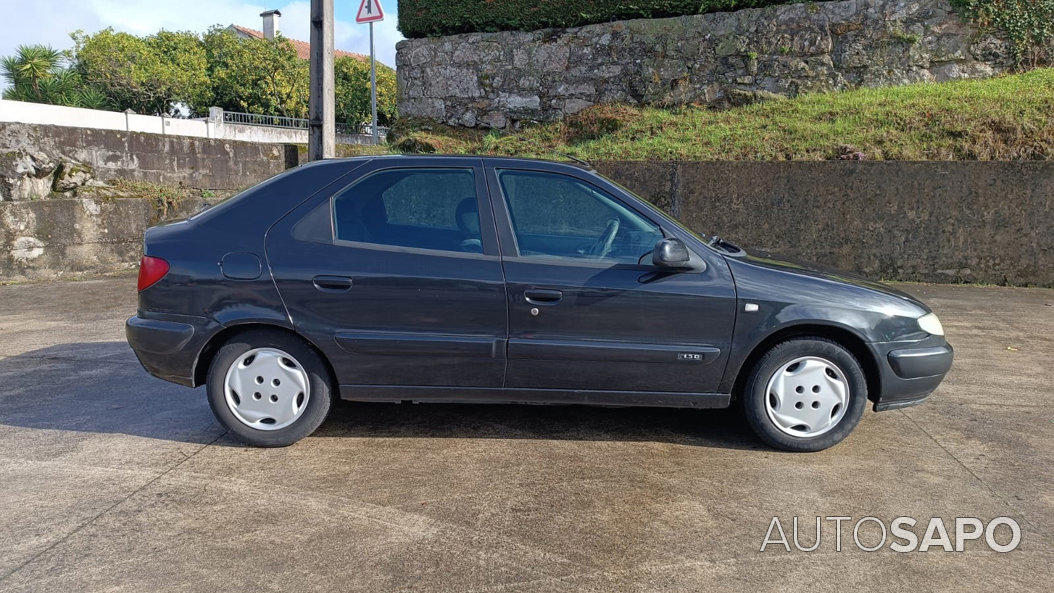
[577, 160]
[539, 145]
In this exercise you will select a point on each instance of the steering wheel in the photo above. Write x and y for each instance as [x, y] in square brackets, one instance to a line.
[603, 245]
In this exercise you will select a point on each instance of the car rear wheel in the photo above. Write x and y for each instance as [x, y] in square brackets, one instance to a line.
[269, 388]
[805, 394]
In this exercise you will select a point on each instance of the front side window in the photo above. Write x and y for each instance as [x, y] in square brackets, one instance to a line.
[558, 215]
[421, 208]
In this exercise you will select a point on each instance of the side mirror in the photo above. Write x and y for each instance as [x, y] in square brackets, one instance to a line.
[671, 253]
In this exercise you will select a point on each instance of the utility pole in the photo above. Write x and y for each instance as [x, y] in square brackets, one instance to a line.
[321, 140]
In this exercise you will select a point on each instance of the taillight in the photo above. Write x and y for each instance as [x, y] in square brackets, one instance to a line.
[151, 269]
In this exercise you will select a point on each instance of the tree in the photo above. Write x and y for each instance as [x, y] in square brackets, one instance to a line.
[39, 74]
[256, 75]
[174, 72]
[187, 68]
[153, 74]
[352, 81]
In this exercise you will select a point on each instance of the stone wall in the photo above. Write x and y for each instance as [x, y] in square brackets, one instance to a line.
[500, 79]
[986, 222]
[35, 160]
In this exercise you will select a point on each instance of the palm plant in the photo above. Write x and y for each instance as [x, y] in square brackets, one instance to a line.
[39, 74]
[90, 97]
[31, 65]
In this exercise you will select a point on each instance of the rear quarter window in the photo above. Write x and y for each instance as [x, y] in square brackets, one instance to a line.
[418, 208]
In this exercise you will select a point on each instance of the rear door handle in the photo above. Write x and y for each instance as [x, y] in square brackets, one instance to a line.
[332, 283]
[538, 296]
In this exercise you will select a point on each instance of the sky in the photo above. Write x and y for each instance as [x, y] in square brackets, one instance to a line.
[51, 21]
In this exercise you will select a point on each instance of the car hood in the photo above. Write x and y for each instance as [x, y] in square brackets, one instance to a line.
[788, 265]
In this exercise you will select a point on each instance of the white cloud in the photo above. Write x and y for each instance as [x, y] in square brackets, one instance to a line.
[142, 17]
[347, 34]
[51, 21]
[47, 22]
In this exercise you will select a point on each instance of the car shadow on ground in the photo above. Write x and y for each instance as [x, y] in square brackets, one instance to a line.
[101, 388]
[707, 428]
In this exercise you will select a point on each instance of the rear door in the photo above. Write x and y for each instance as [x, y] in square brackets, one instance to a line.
[587, 309]
[396, 276]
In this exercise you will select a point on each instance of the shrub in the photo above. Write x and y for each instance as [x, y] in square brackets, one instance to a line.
[597, 121]
[1028, 24]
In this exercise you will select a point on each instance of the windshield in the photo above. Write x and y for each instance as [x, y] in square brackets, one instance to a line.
[672, 218]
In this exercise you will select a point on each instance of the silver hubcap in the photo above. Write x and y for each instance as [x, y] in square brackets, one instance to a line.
[266, 389]
[807, 396]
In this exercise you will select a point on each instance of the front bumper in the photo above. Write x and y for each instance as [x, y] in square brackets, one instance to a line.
[168, 345]
[910, 371]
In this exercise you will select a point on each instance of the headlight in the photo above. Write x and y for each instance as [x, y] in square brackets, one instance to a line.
[931, 325]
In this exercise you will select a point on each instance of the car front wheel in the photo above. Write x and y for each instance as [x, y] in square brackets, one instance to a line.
[269, 388]
[805, 394]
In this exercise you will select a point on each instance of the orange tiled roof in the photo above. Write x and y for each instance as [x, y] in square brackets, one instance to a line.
[303, 48]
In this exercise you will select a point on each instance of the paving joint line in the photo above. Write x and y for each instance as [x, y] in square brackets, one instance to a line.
[995, 494]
[108, 509]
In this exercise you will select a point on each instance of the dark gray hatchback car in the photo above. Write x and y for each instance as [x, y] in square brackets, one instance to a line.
[468, 279]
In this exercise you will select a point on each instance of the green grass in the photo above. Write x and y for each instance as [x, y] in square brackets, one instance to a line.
[1005, 118]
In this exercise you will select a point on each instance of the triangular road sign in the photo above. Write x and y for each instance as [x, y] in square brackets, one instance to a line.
[370, 11]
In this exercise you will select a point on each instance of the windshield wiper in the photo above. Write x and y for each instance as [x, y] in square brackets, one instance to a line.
[723, 245]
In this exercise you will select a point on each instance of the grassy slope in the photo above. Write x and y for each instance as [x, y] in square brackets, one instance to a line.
[1006, 118]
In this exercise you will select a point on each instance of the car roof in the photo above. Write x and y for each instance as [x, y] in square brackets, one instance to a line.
[471, 157]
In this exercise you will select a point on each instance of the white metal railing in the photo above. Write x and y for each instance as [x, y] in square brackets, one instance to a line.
[300, 123]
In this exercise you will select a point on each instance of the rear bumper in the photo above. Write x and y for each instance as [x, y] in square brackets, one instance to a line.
[910, 371]
[168, 345]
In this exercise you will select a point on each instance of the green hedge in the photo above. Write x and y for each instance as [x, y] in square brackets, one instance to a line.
[427, 18]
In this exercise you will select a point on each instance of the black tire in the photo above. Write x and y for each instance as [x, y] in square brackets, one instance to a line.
[318, 403]
[754, 393]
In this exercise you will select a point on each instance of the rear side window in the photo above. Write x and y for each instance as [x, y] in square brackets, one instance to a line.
[420, 208]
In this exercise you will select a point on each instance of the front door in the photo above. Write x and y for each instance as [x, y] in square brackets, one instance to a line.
[396, 277]
[587, 309]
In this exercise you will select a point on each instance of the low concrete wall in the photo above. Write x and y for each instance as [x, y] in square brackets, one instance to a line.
[29, 154]
[55, 238]
[987, 222]
[984, 222]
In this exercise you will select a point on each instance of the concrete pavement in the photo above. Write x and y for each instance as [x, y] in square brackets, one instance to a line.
[113, 480]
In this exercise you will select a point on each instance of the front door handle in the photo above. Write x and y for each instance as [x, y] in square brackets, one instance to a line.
[332, 283]
[538, 296]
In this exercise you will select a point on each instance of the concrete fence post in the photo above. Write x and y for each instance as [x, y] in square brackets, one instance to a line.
[214, 123]
[127, 123]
